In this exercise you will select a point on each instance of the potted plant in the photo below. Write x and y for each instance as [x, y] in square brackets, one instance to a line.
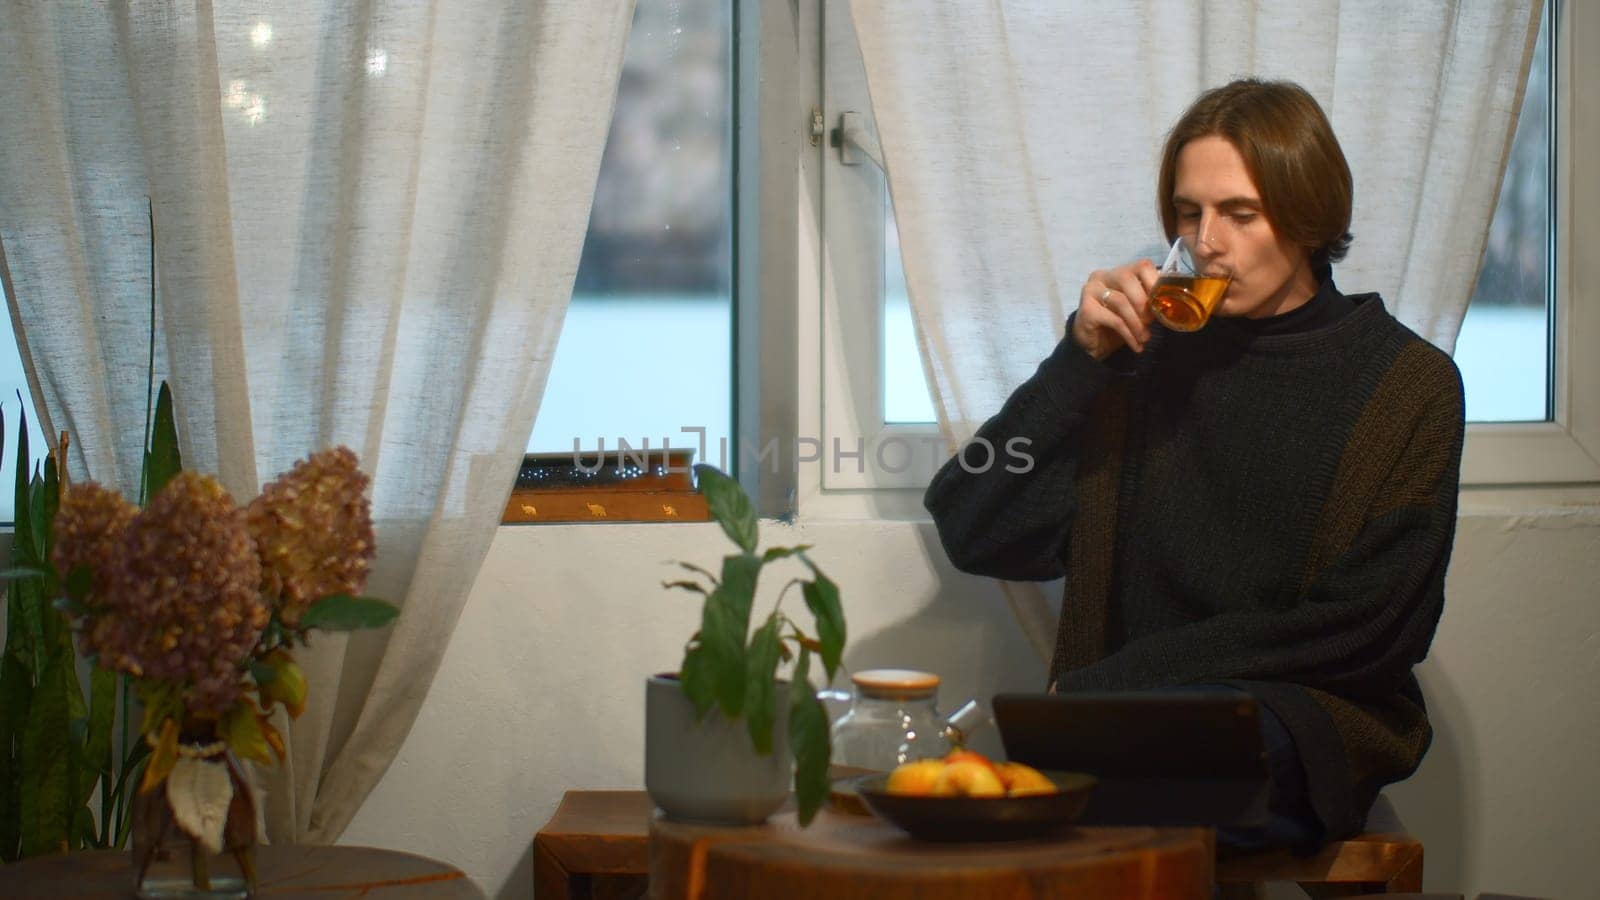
[201, 604]
[720, 733]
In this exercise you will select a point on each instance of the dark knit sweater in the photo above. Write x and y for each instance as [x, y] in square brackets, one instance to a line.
[1273, 511]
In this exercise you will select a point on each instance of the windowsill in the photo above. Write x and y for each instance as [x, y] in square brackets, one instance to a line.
[567, 507]
[641, 486]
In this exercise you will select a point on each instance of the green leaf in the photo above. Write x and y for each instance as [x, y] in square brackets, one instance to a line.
[287, 684]
[83, 836]
[725, 620]
[46, 499]
[55, 626]
[162, 700]
[822, 598]
[698, 685]
[30, 608]
[16, 694]
[739, 575]
[76, 731]
[722, 651]
[808, 739]
[760, 684]
[708, 575]
[22, 546]
[77, 709]
[163, 461]
[802, 674]
[22, 573]
[47, 764]
[102, 716]
[695, 586]
[124, 800]
[241, 728]
[341, 612]
[129, 775]
[729, 505]
[781, 552]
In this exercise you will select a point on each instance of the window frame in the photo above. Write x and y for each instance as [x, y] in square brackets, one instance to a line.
[765, 61]
[773, 241]
[1565, 450]
[891, 455]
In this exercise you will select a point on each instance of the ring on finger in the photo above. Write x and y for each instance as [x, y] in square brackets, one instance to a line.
[1105, 297]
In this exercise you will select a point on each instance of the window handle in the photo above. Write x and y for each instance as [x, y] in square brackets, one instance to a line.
[855, 141]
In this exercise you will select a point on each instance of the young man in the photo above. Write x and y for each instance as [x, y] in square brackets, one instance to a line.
[1264, 505]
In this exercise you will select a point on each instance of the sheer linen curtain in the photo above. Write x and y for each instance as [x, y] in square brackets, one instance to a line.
[1022, 141]
[368, 221]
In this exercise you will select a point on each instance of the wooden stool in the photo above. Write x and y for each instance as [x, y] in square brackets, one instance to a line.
[1383, 860]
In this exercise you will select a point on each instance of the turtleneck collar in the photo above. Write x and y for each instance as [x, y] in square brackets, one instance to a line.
[1324, 308]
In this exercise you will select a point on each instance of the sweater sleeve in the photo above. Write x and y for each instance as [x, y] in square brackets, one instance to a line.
[1360, 623]
[1003, 504]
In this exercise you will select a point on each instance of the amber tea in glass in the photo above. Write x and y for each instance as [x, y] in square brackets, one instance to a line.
[1184, 298]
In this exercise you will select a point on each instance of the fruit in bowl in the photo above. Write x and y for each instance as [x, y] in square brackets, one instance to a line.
[1022, 780]
[915, 778]
[967, 797]
[965, 773]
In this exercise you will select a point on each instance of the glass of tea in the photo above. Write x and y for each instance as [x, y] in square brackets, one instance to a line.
[1185, 297]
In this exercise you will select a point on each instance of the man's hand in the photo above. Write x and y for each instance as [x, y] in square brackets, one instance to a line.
[1114, 309]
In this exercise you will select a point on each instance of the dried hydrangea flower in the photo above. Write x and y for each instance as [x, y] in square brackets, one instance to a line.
[313, 529]
[182, 602]
[88, 531]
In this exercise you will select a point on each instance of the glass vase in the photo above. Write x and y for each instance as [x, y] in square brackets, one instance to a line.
[170, 863]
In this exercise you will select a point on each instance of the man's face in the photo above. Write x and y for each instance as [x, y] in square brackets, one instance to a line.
[1220, 211]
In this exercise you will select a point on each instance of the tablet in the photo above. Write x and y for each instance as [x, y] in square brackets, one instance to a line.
[1166, 757]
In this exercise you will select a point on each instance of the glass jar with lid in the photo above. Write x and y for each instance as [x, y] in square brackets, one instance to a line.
[893, 718]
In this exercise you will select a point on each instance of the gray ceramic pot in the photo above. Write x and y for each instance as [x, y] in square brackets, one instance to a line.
[707, 771]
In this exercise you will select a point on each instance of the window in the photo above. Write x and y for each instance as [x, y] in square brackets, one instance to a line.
[1522, 435]
[1504, 347]
[877, 420]
[906, 399]
[13, 382]
[1532, 407]
[646, 346]
[645, 361]
[1503, 350]
[646, 350]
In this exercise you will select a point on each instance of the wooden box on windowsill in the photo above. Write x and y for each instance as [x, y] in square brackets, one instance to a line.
[638, 486]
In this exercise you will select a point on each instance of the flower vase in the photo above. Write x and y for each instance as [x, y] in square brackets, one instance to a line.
[194, 833]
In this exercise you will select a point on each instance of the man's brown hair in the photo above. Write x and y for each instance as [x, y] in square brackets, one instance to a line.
[1291, 155]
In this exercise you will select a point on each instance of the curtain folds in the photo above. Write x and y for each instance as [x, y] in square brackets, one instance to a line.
[367, 222]
[1022, 140]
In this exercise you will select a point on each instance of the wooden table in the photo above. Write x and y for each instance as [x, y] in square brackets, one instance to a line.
[595, 837]
[286, 871]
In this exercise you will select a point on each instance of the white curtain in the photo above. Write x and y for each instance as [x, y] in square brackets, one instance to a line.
[368, 219]
[1022, 140]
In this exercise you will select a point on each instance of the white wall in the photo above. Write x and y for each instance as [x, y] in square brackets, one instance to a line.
[542, 688]
[1506, 798]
